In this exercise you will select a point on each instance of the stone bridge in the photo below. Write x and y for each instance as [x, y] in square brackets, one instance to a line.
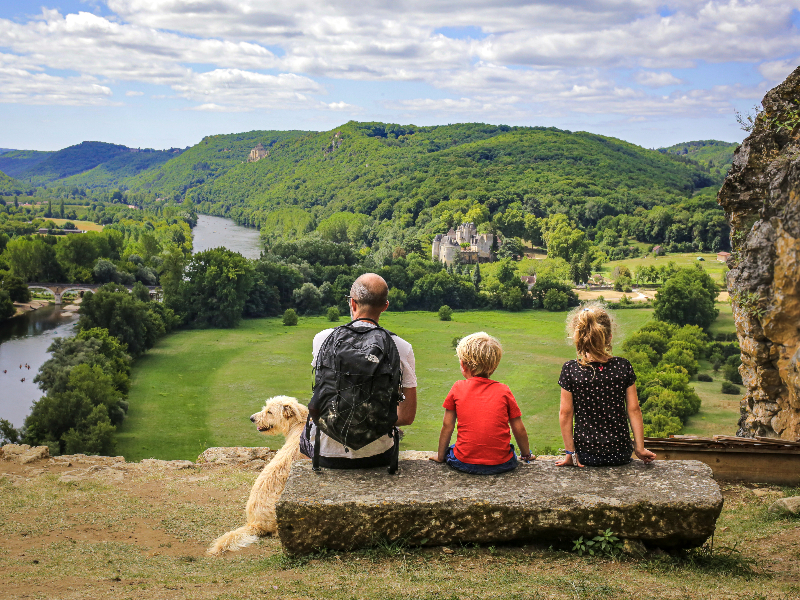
[59, 289]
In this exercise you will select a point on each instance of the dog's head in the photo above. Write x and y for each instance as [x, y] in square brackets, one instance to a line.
[279, 415]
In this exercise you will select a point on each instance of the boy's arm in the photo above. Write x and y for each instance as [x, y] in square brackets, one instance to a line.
[448, 426]
[520, 435]
[407, 409]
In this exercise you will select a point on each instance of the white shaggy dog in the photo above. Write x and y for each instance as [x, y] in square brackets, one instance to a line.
[287, 416]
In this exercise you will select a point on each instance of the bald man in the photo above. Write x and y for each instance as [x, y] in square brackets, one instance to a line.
[368, 299]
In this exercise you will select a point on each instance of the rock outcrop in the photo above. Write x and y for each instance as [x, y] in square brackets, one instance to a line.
[667, 503]
[761, 197]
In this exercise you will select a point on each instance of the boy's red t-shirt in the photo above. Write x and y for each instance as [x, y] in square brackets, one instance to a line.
[483, 408]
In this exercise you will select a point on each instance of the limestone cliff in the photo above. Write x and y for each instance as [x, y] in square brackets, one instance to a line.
[761, 197]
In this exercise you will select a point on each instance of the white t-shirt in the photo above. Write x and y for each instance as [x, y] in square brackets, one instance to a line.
[332, 448]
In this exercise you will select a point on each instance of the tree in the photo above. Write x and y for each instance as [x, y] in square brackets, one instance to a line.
[308, 299]
[476, 276]
[555, 300]
[215, 288]
[445, 313]
[135, 323]
[687, 298]
[7, 308]
[17, 289]
[332, 314]
[61, 209]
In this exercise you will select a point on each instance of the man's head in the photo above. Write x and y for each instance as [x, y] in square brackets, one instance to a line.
[369, 296]
[480, 353]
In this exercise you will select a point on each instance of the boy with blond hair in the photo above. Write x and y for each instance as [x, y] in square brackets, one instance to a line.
[484, 410]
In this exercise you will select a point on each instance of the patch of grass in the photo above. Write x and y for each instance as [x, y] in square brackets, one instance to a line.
[82, 225]
[197, 389]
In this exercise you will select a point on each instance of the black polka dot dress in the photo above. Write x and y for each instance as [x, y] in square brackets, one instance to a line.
[601, 431]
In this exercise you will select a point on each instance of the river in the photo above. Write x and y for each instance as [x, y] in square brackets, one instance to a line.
[25, 339]
[213, 232]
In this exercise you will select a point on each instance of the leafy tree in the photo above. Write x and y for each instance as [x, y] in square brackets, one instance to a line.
[687, 298]
[555, 300]
[543, 286]
[8, 434]
[135, 323]
[215, 288]
[730, 388]
[332, 314]
[476, 276]
[445, 313]
[397, 299]
[16, 288]
[7, 308]
[308, 299]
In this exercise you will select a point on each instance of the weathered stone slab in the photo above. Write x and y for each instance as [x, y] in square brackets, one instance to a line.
[666, 503]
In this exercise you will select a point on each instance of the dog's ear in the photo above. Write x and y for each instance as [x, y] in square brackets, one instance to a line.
[289, 412]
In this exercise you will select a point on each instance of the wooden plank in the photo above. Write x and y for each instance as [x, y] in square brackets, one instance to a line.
[750, 467]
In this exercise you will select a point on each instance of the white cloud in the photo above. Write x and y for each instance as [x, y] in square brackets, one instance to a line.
[539, 55]
[776, 71]
[19, 85]
[657, 79]
[134, 93]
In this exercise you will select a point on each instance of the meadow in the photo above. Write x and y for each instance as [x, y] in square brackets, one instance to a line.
[197, 389]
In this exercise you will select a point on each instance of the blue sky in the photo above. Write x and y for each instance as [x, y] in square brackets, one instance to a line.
[163, 73]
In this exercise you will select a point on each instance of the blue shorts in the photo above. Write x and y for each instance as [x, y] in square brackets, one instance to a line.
[456, 464]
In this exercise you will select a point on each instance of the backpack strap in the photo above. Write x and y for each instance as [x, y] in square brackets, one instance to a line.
[393, 463]
[315, 460]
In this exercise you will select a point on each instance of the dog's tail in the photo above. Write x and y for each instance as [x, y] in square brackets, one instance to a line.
[234, 540]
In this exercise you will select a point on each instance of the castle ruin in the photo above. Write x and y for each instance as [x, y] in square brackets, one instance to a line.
[257, 153]
[476, 247]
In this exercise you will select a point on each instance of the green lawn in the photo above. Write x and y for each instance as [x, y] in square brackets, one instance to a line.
[710, 264]
[720, 412]
[197, 389]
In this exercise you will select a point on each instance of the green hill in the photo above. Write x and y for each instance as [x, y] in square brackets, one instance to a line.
[88, 164]
[715, 155]
[392, 171]
[203, 162]
[15, 162]
[113, 172]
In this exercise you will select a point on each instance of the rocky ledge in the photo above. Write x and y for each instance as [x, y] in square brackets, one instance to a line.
[761, 196]
[664, 504]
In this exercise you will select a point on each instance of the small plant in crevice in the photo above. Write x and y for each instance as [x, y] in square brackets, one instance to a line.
[604, 544]
[751, 303]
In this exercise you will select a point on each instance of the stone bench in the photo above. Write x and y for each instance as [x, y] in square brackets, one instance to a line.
[665, 504]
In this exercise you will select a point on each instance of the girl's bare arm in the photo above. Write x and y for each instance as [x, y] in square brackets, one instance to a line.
[637, 425]
[565, 414]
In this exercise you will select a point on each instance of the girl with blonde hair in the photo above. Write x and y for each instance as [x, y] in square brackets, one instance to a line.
[598, 396]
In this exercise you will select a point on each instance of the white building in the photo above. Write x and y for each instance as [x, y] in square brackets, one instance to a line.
[477, 247]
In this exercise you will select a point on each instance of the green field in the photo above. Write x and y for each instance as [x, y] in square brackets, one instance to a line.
[197, 389]
[710, 264]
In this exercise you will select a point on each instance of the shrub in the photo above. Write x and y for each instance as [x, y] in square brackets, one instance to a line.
[705, 377]
[290, 317]
[445, 313]
[730, 388]
[333, 314]
[454, 342]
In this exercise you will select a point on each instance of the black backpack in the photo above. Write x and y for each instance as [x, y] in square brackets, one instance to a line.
[357, 378]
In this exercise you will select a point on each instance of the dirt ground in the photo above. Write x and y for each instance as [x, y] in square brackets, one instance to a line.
[90, 527]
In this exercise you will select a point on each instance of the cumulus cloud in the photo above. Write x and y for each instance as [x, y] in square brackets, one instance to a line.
[238, 55]
[777, 70]
[657, 79]
[19, 85]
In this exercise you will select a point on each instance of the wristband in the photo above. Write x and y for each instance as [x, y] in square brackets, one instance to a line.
[573, 455]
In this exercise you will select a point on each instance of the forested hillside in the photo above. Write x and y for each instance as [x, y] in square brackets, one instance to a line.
[715, 155]
[15, 162]
[88, 164]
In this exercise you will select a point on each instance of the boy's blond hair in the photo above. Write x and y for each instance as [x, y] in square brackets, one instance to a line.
[480, 353]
